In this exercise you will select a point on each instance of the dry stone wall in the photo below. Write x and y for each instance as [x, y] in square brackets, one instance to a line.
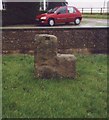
[81, 39]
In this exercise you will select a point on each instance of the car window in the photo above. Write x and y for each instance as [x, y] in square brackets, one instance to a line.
[71, 10]
[62, 10]
[53, 10]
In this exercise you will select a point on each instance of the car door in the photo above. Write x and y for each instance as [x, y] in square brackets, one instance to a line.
[71, 14]
[61, 15]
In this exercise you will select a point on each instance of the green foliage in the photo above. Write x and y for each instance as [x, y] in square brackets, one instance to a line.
[55, 4]
[95, 15]
[20, 12]
[26, 96]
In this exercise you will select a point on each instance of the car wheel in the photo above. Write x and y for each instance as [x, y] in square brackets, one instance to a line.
[77, 21]
[51, 22]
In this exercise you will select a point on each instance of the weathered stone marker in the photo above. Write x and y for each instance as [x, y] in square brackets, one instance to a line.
[49, 63]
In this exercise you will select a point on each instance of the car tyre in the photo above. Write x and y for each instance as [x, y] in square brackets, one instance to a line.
[51, 22]
[77, 21]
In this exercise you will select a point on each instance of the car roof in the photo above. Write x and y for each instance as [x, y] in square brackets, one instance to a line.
[64, 6]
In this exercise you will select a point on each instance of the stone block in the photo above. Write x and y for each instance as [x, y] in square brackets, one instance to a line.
[48, 62]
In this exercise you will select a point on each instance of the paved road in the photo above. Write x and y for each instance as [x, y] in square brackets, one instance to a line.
[85, 23]
[95, 22]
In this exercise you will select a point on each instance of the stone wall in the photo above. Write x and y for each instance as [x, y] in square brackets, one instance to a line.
[80, 39]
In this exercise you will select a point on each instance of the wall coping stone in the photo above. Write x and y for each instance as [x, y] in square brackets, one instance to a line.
[48, 28]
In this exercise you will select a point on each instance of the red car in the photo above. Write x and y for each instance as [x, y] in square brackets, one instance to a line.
[58, 15]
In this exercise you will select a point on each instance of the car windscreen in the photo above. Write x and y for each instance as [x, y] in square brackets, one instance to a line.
[52, 10]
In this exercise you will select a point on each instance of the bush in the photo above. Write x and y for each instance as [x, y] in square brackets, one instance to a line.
[20, 13]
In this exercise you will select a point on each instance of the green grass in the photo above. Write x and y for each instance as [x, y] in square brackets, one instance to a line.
[0, 86]
[26, 96]
[97, 16]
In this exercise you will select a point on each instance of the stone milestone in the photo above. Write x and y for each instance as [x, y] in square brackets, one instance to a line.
[48, 62]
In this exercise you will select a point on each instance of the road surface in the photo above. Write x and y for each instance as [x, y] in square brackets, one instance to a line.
[90, 22]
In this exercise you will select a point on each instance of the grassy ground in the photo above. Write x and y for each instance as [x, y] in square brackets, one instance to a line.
[0, 87]
[97, 16]
[26, 96]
